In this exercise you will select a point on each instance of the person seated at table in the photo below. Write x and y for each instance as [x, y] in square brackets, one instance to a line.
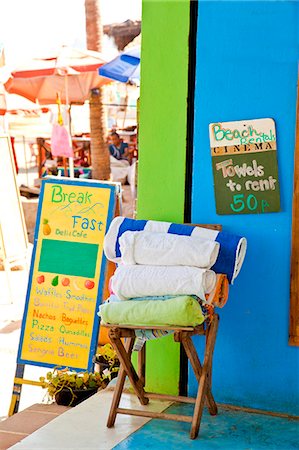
[118, 149]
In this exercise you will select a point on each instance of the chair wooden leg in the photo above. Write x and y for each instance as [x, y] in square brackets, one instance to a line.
[197, 369]
[125, 361]
[204, 381]
[141, 364]
[213, 411]
[119, 386]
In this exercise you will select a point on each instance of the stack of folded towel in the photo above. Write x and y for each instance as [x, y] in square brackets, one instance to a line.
[231, 253]
[168, 274]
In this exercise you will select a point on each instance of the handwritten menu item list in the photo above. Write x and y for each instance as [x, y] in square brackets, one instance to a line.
[244, 160]
[60, 324]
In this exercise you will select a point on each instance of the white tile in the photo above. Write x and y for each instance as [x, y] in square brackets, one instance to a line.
[84, 427]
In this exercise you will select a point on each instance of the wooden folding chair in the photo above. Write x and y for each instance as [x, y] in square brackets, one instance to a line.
[203, 372]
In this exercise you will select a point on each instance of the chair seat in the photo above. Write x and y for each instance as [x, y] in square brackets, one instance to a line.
[199, 329]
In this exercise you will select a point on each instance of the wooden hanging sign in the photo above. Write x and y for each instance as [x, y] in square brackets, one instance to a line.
[245, 169]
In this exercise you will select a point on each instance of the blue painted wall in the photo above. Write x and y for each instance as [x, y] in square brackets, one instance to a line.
[247, 55]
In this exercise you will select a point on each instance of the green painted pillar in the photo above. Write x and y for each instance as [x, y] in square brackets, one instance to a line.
[162, 146]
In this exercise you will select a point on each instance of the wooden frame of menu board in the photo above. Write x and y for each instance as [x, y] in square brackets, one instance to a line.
[294, 300]
[60, 324]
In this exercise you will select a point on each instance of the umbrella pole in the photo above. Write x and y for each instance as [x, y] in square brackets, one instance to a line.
[126, 106]
[71, 165]
[65, 166]
[71, 160]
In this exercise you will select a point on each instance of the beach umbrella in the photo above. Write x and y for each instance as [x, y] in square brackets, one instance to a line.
[124, 68]
[70, 72]
[3, 104]
[13, 103]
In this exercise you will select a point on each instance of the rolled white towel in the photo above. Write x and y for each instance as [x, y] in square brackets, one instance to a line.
[162, 249]
[232, 247]
[141, 281]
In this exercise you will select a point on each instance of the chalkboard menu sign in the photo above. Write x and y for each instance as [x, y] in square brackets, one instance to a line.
[245, 167]
[60, 325]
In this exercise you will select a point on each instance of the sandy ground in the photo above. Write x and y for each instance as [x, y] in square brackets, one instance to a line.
[12, 303]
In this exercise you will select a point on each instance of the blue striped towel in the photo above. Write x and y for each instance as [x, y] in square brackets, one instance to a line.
[232, 247]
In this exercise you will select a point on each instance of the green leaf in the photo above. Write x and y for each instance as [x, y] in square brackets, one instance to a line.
[55, 281]
[79, 382]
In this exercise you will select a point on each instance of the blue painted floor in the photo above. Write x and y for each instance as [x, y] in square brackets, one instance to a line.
[229, 430]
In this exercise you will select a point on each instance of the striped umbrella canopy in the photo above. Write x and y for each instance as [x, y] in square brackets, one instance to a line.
[125, 67]
[70, 72]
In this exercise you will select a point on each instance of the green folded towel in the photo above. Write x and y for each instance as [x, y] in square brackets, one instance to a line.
[181, 311]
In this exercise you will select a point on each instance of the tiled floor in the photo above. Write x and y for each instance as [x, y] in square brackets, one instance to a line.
[230, 430]
[84, 428]
[21, 425]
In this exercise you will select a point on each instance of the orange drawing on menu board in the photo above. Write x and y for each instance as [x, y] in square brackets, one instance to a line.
[60, 326]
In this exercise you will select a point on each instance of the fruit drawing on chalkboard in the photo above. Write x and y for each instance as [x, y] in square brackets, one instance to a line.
[65, 281]
[46, 227]
[79, 286]
[89, 284]
[55, 281]
[40, 279]
[76, 284]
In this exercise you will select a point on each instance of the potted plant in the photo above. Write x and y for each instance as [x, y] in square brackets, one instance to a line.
[71, 388]
[106, 361]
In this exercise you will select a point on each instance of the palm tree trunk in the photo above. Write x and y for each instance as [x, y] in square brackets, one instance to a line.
[100, 158]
